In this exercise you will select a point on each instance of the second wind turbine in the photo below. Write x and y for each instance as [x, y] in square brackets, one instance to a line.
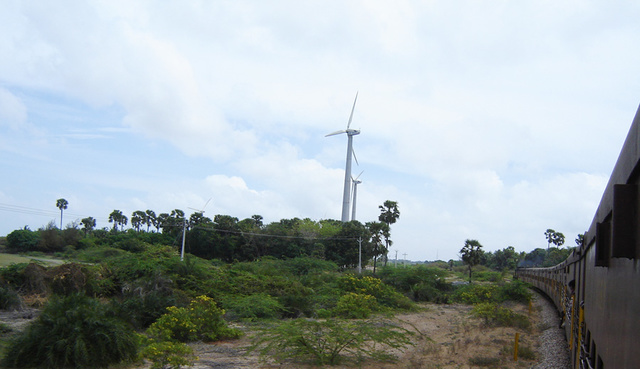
[346, 196]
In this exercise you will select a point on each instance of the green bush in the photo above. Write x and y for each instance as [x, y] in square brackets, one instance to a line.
[9, 299]
[515, 291]
[476, 293]
[22, 240]
[385, 294]
[420, 283]
[355, 306]
[72, 331]
[495, 315]
[168, 354]
[201, 320]
[252, 307]
[331, 341]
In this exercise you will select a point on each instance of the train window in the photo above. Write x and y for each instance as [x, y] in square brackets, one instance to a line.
[600, 364]
[603, 242]
[625, 219]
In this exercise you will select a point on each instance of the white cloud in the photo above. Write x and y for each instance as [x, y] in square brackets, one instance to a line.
[483, 121]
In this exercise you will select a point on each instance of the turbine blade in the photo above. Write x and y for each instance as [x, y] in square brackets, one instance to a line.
[206, 203]
[352, 109]
[354, 155]
[335, 133]
[358, 176]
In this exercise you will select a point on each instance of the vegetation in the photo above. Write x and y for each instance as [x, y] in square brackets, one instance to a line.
[72, 331]
[471, 254]
[331, 341]
[128, 281]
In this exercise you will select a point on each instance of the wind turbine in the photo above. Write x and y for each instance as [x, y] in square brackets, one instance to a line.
[346, 196]
[356, 182]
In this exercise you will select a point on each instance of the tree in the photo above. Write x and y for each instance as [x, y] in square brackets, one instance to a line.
[88, 224]
[151, 220]
[554, 237]
[471, 254]
[579, 239]
[138, 218]
[377, 230]
[389, 214]
[117, 218]
[62, 205]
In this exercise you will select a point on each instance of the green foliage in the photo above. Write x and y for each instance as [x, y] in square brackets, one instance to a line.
[22, 240]
[384, 294]
[331, 341]
[252, 307]
[476, 293]
[418, 282]
[355, 306]
[496, 315]
[9, 299]
[201, 320]
[72, 331]
[515, 291]
[168, 354]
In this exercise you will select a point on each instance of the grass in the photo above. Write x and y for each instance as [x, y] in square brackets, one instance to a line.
[8, 259]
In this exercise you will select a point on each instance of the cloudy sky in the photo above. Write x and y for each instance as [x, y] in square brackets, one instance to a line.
[487, 120]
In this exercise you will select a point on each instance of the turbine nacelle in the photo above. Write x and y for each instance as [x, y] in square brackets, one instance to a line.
[349, 132]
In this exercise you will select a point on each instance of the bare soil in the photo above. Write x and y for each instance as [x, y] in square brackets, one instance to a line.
[447, 338]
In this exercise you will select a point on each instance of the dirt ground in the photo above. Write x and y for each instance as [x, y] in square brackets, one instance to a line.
[447, 338]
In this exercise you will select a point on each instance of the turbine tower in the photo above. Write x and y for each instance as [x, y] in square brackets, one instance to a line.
[346, 196]
[356, 182]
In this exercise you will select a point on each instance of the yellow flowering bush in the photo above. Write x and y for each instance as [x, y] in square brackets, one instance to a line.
[385, 295]
[355, 306]
[201, 320]
[168, 354]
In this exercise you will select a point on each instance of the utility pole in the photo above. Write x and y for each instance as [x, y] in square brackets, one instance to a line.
[405, 258]
[395, 263]
[360, 255]
[184, 232]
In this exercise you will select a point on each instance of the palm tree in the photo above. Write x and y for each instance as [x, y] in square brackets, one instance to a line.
[151, 219]
[389, 214]
[88, 224]
[138, 218]
[117, 218]
[61, 204]
[471, 254]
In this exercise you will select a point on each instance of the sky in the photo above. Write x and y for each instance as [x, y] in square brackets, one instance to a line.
[486, 120]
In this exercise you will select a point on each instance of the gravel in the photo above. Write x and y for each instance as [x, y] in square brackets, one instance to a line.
[554, 350]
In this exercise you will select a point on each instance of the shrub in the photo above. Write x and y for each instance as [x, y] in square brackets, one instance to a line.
[201, 320]
[367, 285]
[496, 315]
[515, 291]
[258, 306]
[22, 240]
[476, 293]
[355, 306]
[9, 299]
[331, 341]
[72, 331]
[168, 355]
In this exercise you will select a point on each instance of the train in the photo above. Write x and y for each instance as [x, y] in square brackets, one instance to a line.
[602, 310]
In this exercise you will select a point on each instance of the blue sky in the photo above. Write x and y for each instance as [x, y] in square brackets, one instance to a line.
[485, 120]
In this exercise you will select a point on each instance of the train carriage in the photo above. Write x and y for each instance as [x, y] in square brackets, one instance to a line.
[603, 317]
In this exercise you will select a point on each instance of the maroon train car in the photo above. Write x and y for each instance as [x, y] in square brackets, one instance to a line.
[603, 317]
